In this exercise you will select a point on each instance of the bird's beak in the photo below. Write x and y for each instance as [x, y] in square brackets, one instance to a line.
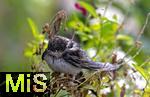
[44, 54]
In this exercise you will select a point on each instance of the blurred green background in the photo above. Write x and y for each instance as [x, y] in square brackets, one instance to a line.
[15, 31]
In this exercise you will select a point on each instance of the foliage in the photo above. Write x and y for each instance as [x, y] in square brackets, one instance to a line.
[102, 40]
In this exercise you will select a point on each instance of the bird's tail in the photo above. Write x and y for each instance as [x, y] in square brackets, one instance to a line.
[103, 66]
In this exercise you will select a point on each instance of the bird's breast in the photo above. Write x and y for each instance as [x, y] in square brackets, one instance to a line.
[60, 65]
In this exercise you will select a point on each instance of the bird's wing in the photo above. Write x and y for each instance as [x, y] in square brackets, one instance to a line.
[78, 58]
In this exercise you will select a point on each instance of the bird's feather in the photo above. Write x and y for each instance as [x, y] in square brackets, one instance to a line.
[78, 58]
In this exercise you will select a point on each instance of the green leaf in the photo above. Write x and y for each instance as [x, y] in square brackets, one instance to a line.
[89, 8]
[109, 28]
[33, 27]
[28, 53]
[95, 27]
[142, 71]
[79, 26]
[117, 90]
[123, 37]
[146, 92]
[126, 38]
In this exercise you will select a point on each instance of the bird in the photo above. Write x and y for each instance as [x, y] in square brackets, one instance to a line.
[64, 55]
